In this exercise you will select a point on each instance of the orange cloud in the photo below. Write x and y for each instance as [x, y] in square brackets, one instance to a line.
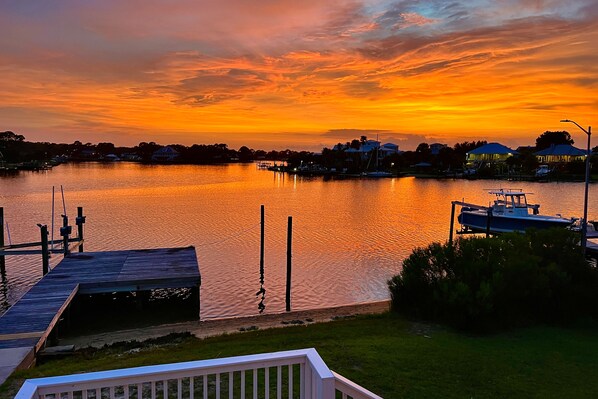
[282, 73]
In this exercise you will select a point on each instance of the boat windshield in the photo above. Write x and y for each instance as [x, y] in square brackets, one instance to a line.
[516, 201]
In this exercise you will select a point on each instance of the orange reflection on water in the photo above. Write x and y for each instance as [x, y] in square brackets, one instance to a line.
[349, 236]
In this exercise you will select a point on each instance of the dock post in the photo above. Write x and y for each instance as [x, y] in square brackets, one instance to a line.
[289, 254]
[261, 307]
[452, 223]
[65, 231]
[196, 297]
[488, 220]
[262, 247]
[2, 257]
[45, 252]
[79, 221]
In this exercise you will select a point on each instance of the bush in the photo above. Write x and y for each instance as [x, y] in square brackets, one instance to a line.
[490, 283]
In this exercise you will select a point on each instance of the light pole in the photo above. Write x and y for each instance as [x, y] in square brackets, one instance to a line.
[584, 223]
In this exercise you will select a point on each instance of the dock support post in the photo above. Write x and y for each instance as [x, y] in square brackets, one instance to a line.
[65, 231]
[488, 220]
[289, 255]
[196, 296]
[79, 221]
[452, 223]
[262, 247]
[261, 307]
[45, 252]
[2, 257]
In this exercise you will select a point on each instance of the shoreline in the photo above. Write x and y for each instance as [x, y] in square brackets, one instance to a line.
[213, 327]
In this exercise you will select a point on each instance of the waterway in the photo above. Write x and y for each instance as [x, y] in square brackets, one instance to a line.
[349, 236]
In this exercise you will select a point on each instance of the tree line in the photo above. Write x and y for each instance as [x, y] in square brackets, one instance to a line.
[14, 148]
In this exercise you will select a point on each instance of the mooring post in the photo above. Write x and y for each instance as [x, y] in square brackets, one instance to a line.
[65, 231]
[45, 252]
[452, 223]
[262, 291]
[79, 221]
[2, 257]
[488, 220]
[262, 247]
[289, 253]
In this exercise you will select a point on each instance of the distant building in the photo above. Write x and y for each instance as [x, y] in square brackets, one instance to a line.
[389, 149]
[165, 154]
[491, 152]
[436, 147]
[562, 153]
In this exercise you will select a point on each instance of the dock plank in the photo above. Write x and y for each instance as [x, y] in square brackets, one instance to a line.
[27, 324]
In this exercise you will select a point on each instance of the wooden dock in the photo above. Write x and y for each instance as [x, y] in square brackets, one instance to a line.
[25, 327]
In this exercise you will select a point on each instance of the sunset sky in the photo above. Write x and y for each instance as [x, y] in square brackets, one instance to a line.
[297, 74]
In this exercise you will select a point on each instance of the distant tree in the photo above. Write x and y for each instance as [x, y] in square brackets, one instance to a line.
[363, 139]
[422, 148]
[245, 154]
[145, 150]
[356, 144]
[548, 138]
[466, 146]
[11, 136]
[529, 162]
[105, 148]
[423, 153]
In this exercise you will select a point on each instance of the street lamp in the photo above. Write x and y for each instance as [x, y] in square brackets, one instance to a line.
[584, 223]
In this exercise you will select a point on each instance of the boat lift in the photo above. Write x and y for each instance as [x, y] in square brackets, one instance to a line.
[47, 246]
[463, 230]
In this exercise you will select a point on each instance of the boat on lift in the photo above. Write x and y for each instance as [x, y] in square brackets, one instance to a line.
[509, 212]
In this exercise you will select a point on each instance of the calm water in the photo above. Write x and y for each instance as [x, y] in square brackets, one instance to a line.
[349, 236]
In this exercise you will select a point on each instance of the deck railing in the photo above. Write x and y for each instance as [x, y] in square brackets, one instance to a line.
[291, 374]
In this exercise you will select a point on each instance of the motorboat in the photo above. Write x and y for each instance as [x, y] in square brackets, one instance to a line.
[543, 171]
[509, 212]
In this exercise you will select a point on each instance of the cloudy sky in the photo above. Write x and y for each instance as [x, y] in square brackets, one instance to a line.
[298, 74]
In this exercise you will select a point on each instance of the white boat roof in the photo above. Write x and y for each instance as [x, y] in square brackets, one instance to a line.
[507, 191]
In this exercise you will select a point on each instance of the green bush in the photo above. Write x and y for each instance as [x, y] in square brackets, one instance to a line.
[490, 283]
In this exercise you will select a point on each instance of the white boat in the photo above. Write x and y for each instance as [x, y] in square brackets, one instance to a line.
[508, 213]
[543, 171]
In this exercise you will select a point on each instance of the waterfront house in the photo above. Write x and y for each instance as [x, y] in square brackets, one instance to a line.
[491, 152]
[165, 154]
[389, 149]
[561, 153]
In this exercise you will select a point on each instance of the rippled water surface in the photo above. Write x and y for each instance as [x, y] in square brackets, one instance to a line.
[349, 236]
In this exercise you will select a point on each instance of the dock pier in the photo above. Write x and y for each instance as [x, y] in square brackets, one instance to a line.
[26, 326]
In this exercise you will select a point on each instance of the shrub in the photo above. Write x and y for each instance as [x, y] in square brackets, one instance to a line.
[489, 283]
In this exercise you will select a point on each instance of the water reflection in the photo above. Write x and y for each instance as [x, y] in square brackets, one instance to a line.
[349, 236]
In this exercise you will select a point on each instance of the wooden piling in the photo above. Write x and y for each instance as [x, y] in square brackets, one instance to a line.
[45, 251]
[289, 255]
[262, 246]
[452, 223]
[65, 230]
[79, 221]
[2, 257]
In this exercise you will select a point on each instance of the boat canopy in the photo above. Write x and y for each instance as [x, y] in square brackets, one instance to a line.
[507, 191]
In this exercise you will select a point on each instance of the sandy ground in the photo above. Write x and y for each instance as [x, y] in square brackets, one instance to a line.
[212, 327]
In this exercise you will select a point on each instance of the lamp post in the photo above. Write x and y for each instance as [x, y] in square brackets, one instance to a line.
[584, 224]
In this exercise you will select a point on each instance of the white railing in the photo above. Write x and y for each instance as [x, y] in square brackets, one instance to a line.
[290, 374]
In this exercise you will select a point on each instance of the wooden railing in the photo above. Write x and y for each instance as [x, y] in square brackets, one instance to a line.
[290, 374]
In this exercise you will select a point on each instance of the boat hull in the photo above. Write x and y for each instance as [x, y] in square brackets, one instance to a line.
[478, 220]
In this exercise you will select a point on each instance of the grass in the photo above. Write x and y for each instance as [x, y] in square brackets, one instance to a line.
[388, 355]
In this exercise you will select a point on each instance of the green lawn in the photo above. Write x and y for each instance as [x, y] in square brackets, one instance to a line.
[392, 357]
